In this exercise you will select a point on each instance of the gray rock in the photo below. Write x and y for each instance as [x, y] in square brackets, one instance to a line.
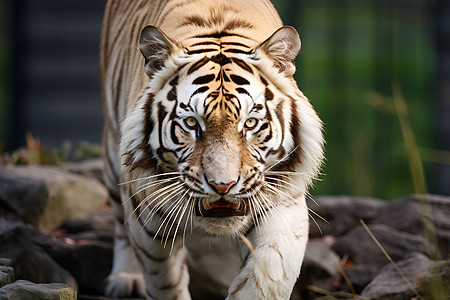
[25, 290]
[86, 255]
[361, 249]
[342, 213]
[6, 271]
[437, 285]
[71, 196]
[90, 167]
[30, 261]
[23, 196]
[102, 220]
[319, 269]
[320, 265]
[409, 214]
[359, 276]
[389, 284]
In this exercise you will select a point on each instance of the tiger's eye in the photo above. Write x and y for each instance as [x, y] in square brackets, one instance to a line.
[191, 122]
[251, 123]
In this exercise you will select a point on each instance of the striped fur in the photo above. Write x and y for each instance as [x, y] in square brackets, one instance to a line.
[205, 129]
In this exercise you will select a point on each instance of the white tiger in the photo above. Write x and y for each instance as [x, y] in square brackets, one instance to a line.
[205, 127]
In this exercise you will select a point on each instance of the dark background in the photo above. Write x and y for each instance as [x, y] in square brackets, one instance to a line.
[353, 53]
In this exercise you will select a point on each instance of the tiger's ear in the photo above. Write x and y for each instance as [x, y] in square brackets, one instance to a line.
[283, 47]
[156, 48]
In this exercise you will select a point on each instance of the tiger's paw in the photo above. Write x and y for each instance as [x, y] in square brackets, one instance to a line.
[124, 284]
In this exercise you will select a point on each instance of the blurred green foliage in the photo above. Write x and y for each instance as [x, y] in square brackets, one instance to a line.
[353, 52]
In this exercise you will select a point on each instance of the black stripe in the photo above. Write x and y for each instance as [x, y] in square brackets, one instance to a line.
[233, 24]
[263, 127]
[220, 59]
[243, 65]
[174, 81]
[264, 81]
[248, 179]
[235, 44]
[218, 35]
[148, 255]
[268, 137]
[173, 134]
[190, 52]
[242, 91]
[194, 20]
[198, 65]
[200, 90]
[172, 94]
[280, 114]
[204, 79]
[239, 80]
[268, 95]
[233, 50]
[205, 43]
[257, 107]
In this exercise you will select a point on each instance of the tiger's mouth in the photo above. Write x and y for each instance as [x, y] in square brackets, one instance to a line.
[220, 209]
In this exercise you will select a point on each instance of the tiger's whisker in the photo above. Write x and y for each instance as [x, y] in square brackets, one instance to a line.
[175, 216]
[190, 211]
[168, 216]
[277, 191]
[149, 177]
[171, 193]
[253, 212]
[308, 195]
[175, 192]
[140, 206]
[283, 158]
[262, 210]
[147, 186]
[185, 206]
[159, 192]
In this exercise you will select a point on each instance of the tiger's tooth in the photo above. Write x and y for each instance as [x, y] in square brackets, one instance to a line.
[206, 206]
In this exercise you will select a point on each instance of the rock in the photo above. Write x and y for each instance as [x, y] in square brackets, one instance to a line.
[87, 256]
[359, 276]
[24, 290]
[389, 284]
[342, 213]
[102, 220]
[71, 196]
[361, 249]
[320, 264]
[408, 214]
[320, 268]
[213, 264]
[30, 261]
[6, 271]
[91, 168]
[436, 286]
[23, 196]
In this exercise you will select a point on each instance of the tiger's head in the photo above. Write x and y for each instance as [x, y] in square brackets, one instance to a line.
[221, 134]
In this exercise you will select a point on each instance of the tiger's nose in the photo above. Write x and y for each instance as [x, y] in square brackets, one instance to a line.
[222, 188]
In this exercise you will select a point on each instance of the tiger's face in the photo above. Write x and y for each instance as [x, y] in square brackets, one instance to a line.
[220, 133]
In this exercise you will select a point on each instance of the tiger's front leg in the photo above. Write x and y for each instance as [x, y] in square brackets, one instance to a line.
[164, 266]
[273, 265]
